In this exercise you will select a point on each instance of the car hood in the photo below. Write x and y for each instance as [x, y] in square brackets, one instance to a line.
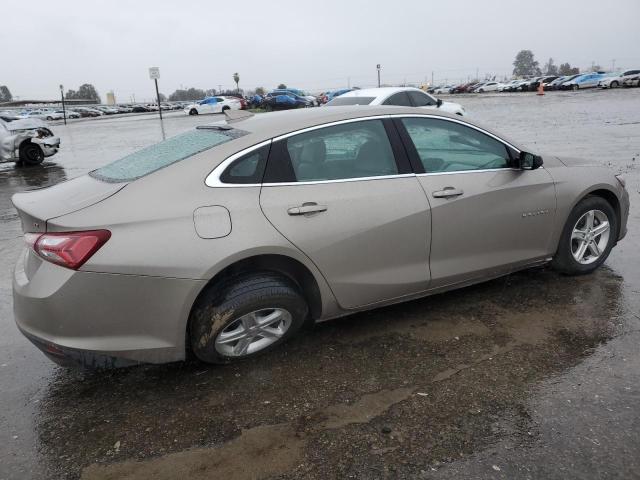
[577, 162]
[25, 124]
[36, 207]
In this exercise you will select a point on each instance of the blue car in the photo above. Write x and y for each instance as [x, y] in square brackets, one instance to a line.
[336, 93]
[587, 80]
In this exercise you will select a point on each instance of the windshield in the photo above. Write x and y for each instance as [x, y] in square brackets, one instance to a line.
[163, 154]
[337, 101]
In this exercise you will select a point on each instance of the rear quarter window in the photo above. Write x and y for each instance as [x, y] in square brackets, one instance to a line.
[161, 155]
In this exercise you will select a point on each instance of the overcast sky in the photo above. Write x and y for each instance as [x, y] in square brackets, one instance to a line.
[310, 45]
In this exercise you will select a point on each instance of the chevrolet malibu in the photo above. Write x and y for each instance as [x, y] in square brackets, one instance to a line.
[222, 242]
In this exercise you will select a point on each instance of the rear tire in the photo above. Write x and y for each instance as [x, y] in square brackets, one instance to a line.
[31, 154]
[575, 88]
[245, 317]
[573, 235]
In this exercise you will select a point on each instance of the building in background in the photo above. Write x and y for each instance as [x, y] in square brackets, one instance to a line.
[111, 98]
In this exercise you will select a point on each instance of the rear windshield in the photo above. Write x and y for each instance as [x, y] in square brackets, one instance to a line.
[163, 154]
[351, 101]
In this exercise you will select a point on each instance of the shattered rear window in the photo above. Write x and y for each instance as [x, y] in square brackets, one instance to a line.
[165, 153]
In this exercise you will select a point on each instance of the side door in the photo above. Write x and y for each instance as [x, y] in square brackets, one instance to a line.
[487, 216]
[344, 195]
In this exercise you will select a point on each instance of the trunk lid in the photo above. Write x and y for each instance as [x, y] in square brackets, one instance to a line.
[36, 207]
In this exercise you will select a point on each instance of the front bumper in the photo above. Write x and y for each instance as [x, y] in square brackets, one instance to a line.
[98, 319]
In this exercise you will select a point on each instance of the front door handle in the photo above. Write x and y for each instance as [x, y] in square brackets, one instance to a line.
[448, 192]
[307, 208]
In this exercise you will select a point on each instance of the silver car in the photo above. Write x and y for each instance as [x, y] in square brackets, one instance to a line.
[27, 141]
[223, 241]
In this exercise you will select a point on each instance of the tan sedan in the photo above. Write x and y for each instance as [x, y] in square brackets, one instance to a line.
[223, 241]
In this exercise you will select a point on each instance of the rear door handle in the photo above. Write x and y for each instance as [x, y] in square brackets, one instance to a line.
[307, 208]
[448, 192]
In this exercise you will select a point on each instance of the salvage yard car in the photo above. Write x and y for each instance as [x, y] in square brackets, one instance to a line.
[397, 96]
[27, 141]
[223, 241]
[213, 105]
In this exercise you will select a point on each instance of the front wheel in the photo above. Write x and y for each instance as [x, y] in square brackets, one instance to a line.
[31, 154]
[575, 88]
[249, 316]
[193, 111]
[615, 84]
[587, 237]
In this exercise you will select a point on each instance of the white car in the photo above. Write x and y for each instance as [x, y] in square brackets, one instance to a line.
[401, 96]
[618, 79]
[489, 87]
[42, 115]
[213, 105]
[443, 89]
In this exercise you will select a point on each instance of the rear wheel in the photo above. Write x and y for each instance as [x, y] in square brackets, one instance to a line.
[587, 237]
[245, 317]
[575, 87]
[31, 154]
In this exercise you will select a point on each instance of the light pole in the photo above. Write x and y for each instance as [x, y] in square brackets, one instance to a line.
[64, 111]
[378, 67]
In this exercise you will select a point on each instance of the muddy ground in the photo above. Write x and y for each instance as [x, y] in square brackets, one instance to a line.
[534, 375]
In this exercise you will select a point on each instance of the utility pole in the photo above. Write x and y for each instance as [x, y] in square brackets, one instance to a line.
[378, 67]
[64, 111]
[477, 73]
[432, 78]
[613, 65]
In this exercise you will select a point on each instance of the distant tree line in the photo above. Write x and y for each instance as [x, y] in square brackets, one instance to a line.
[5, 94]
[526, 65]
[84, 92]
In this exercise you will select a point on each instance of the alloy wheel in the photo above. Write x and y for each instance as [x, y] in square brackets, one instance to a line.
[590, 237]
[253, 332]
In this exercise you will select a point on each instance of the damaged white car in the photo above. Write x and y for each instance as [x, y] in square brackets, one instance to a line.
[27, 141]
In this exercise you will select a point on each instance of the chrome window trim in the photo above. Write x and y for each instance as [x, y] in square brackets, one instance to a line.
[340, 180]
[213, 179]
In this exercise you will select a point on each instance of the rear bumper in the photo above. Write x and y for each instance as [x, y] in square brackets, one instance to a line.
[101, 320]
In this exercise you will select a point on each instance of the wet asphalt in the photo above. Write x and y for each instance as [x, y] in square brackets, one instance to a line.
[534, 375]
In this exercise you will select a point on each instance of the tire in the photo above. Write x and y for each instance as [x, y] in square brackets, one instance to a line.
[575, 88]
[224, 109]
[481, 91]
[31, 154]
[227, 310]
[49, 118]
[614, 84]
[564, 260]
[193, 111]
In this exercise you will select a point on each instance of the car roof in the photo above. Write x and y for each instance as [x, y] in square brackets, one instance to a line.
[265, 126]
[379, 92]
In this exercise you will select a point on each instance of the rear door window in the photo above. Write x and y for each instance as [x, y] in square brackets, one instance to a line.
[163, 154]
[350, 150]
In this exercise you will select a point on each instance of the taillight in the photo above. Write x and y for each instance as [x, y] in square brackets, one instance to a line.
[67, 249]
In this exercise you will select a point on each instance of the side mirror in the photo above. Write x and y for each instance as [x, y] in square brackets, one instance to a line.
[529, 161]
[439, 103]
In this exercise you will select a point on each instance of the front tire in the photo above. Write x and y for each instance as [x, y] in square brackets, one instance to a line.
[31, 154]
[245, 317]
[587, 238]
[193, 111]
[576, 88]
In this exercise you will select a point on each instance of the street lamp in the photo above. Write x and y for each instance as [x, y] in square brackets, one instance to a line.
[378, 67]
[64, 111]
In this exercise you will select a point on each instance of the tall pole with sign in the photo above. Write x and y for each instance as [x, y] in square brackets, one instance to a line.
[64, 111]
[154, 74]
[378, 67]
